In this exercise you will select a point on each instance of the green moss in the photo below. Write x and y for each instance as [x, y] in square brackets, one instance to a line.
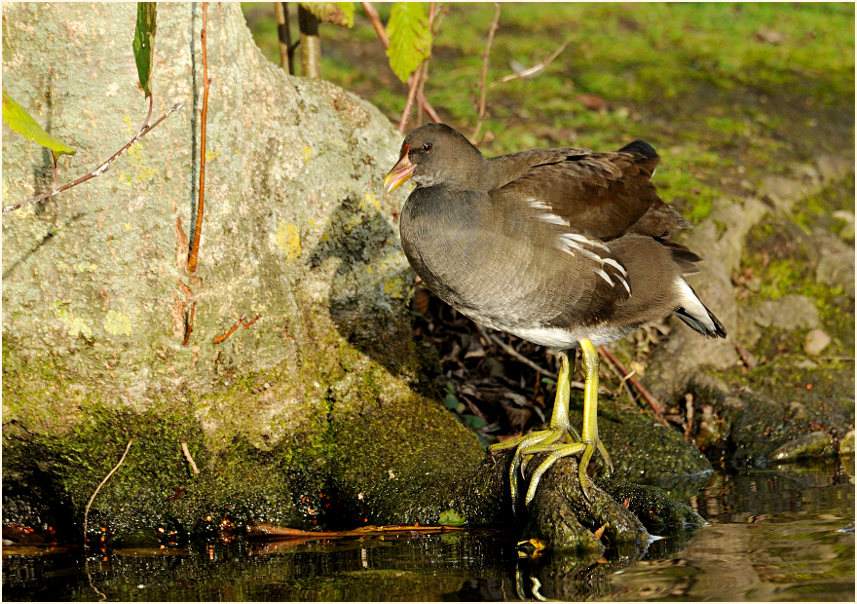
[388, 457]
[781, 254]
[154, 495]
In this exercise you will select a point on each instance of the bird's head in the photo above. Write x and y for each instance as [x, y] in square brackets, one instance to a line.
[435, 154]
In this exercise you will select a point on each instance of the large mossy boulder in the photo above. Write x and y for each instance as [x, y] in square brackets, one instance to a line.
[97, 304]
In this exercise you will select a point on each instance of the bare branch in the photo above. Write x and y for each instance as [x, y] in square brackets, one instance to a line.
[193, 255]
[101, 169]
[532, 70]
[413, 84]
[375, 20]
[495, 23]
[656, 407]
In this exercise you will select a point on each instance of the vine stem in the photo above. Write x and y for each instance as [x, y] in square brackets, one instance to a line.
[193, 255]
[98, 488]
[495, 23]
[101, 169]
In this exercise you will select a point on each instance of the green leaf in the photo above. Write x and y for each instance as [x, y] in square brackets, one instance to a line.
[452, 403]
[338, 13]
[410, 38]
[474, 422]
[452, 518]
[21, 122]
[144, 43]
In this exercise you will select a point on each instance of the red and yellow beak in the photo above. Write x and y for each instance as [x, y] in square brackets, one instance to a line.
[400, 173]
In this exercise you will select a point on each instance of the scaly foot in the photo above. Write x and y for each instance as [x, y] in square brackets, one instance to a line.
[557, 435]
[555, 440]
[589, 441]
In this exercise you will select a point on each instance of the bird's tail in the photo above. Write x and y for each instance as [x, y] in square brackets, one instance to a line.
[693, 312]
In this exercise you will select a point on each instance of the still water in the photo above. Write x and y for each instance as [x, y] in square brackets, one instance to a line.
[773, 535]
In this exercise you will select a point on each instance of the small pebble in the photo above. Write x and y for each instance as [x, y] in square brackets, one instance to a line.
[816, 341]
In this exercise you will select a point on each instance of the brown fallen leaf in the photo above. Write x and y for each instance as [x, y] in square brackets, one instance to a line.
[421, 301]
[592, 101]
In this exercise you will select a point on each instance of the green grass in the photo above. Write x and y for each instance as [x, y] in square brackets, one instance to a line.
[726, 92]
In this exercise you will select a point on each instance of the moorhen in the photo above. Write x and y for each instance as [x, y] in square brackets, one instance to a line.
[561, 247]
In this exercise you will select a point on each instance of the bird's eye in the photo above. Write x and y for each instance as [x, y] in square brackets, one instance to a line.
[426, 147]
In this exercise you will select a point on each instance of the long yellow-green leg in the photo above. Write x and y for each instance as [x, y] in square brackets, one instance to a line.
[590, 402]
[559, 427]
[589, 441]
[589, 435]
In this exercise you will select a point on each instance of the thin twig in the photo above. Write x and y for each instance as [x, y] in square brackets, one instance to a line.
[101, 169]
[232, 329]
[495, 23]
[421, 82]
[436, 13]
[435, 19]
[251, 321]
[656, 407]
[409, 101]
[375, 20]
[91, 583]
[433, 115]
[98, 488]
[424, 72]
[188, 457]
[532, 70]
[193, 256]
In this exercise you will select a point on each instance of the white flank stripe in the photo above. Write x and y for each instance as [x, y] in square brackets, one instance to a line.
[603, 275]
[586, 241]
[538, 203]
[567, 245]
[615, 264]
[592, 256]
[553, 219]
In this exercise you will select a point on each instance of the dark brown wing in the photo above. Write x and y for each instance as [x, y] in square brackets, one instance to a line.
[599, 195]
